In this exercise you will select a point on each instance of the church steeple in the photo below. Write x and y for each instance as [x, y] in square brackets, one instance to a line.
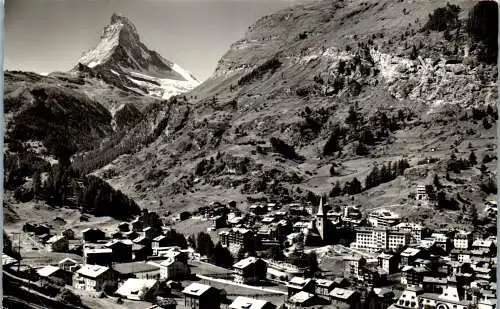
[321, 208]
[322, 223]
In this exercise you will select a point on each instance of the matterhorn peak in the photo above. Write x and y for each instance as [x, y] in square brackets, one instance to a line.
[122, 59]
[121, 31]
[123, 21]
[117, 17]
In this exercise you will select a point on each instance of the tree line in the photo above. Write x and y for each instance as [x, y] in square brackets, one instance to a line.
[387, 172]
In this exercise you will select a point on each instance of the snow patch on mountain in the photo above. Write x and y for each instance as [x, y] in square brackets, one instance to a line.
[168, 87]
[187, 75]
[110, 39]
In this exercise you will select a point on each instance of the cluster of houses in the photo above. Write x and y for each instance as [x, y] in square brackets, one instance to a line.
[134, 262]
[396, 264]
[443, 269]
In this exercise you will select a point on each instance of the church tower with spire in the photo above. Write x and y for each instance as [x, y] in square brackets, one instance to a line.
[322, 221]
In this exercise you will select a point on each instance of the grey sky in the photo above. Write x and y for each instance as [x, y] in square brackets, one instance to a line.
[50, 35]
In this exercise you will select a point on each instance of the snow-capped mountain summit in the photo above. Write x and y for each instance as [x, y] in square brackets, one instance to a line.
[122, 59]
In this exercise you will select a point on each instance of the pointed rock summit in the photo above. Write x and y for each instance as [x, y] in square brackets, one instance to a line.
[121, 59]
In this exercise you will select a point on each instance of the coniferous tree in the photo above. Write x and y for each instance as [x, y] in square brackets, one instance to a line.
[486, 124]
[192, 241]
[353, 187]
[332, 145]
[361, 149]
[332, 170]
[204, 244]
[472, 158]
[436, 182]
[312, 262]
[336, 190]
[37, 185]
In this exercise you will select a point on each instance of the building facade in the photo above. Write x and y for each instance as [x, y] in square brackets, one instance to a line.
[380, 239]
[92, 278]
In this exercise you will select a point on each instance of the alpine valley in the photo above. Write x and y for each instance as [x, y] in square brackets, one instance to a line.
[356, 101]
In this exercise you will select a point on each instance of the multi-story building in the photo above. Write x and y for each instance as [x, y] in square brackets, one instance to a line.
[305, 300]
[442, 241]
[283, 271]
[173, 269]
[383, 218]
[397, 240]
[201, 296]
[484, 244]
[353, 266]
[409, 255]
[245, 302]
[300, 284]
[141, 270]
[121, 250]
[151, 232]
[97, 255]
[449, 298]
[463, 256]
[57, 244]
[324, 286]
[413, 276]
[159, 242]
[462, 240]
[68, 264]
[352, 215]
[92, 277]
[380, 239]
[422, 197]
[387, 262]
[374, 277]
[409, 299]
[250, 270]
[93, 234]
[56, 274]
[237, 238]
[384, 296]
[69, 234]
[414, 229]
[344, 298]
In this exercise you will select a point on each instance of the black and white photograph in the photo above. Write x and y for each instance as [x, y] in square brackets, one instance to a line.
[250, 154]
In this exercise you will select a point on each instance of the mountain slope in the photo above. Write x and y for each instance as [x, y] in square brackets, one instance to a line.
[120, 58]
[348, 84]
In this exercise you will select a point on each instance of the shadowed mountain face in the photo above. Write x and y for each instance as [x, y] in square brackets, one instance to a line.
[347, 84]
[121, 59]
